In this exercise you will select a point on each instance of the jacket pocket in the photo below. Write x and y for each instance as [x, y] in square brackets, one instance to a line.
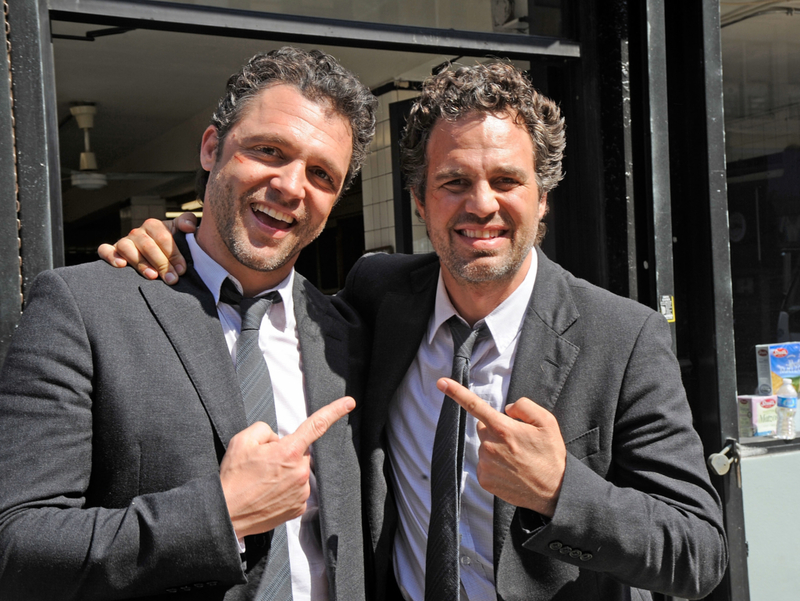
[584, 445]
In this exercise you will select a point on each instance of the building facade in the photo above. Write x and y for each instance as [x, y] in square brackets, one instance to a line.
[683, 165]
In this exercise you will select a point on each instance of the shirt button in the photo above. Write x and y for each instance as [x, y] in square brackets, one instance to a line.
[465, 561]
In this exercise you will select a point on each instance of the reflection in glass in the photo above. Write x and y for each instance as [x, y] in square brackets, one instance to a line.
[761, 75]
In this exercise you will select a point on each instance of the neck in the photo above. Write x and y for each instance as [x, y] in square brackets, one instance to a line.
[253, 281]
[474, 301]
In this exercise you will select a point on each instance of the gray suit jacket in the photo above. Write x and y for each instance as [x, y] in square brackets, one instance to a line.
[636, 509]
[117, 400]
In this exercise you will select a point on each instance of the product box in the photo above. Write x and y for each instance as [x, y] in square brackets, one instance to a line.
[757, 415]
[775, 362]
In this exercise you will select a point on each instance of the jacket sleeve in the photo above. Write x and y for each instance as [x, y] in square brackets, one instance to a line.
[53, 545]
[654, 521]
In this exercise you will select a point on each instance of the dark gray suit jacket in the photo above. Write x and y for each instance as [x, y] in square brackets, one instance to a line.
[636, 509]
[117, 400]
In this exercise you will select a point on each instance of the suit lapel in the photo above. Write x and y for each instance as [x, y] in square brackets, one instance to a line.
[187, 314]
[542, 362]
[400, 325]
[323, 347]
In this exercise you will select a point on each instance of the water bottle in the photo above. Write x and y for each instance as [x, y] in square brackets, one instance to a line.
[787, 407]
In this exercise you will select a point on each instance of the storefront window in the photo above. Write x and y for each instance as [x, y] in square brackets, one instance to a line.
[761, 74]
[499, 16]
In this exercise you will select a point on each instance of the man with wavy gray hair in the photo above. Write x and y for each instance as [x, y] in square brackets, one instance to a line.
[195, 439]
[573, 471]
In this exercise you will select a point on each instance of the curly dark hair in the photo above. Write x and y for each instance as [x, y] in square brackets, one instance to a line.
[319, 77]
[496, 87]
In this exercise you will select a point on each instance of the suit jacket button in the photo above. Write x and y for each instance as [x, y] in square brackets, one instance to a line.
[586, 556]
[555, 545]
[211, 583]
[565, 550]
[575, 553]
[260, 540]
[186, 589]
[172, 590]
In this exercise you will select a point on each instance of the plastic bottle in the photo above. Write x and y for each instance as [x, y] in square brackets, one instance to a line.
[787, 407]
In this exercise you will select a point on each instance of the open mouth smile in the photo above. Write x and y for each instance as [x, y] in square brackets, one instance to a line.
[272, 217]
[481, 234]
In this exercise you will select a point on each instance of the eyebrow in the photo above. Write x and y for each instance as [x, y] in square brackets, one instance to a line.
[456, 173]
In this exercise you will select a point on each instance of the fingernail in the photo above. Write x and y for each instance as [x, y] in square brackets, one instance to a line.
[170, 278]
[119, 263]
[180, 269]
[150, 273]
[350, 404]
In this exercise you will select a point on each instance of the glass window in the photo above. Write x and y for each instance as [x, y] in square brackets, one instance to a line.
[761, 75]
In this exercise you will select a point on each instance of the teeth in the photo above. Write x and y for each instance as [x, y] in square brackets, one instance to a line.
[274, 214]
[484, 234]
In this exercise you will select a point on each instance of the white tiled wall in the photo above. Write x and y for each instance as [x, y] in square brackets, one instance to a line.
[377, 185]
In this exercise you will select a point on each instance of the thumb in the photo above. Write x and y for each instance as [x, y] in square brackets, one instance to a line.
[525, 410]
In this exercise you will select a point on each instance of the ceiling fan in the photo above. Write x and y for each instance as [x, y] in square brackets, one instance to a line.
[88, 176]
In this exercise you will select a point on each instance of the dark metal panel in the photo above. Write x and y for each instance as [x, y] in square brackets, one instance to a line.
[702, 253]
[10, 302]
[737, 579]
[627, 145]
[655, 64]
[403, 236]
[336, 32]
[36, 138]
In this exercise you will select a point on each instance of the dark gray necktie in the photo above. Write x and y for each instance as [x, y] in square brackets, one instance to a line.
[442, 579]
[259, 405]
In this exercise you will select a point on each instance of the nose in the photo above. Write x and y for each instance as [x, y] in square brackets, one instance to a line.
[482, 201]
[290, 180]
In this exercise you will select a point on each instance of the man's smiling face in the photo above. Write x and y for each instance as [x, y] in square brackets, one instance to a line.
[272, 184]
[482, 206]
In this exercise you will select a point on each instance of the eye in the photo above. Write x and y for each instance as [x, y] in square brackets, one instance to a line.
[456, 185]
[323, 175]
[507, 183]
[267, 150]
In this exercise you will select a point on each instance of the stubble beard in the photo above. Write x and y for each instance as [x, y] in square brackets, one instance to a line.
[229, 218]
[472, 269]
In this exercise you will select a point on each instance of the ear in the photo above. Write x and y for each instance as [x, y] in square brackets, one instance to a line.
[208, 148]
[420, 206]
[543, 206]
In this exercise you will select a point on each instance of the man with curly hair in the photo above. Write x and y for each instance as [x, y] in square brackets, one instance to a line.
[194, 441]
[581, 475]
[574, 472]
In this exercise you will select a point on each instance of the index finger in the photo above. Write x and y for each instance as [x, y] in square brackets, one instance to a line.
[471, 402]
[318, 422]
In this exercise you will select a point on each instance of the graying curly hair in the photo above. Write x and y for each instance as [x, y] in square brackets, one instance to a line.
[497, 88]
[319, 77]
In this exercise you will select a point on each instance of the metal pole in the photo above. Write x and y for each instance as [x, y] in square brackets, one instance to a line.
[10, 279]
[656, 71]
[36, 128]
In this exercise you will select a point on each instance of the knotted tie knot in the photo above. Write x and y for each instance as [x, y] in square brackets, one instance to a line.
[464, 339]
[252, 310]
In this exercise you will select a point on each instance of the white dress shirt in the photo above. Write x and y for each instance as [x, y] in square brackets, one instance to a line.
[411, 428]
[281, 347]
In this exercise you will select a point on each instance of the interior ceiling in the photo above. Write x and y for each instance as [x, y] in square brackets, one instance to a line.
[155, 92]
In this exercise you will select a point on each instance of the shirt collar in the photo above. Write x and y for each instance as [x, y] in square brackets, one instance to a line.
[504, 323]
[213, 275]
